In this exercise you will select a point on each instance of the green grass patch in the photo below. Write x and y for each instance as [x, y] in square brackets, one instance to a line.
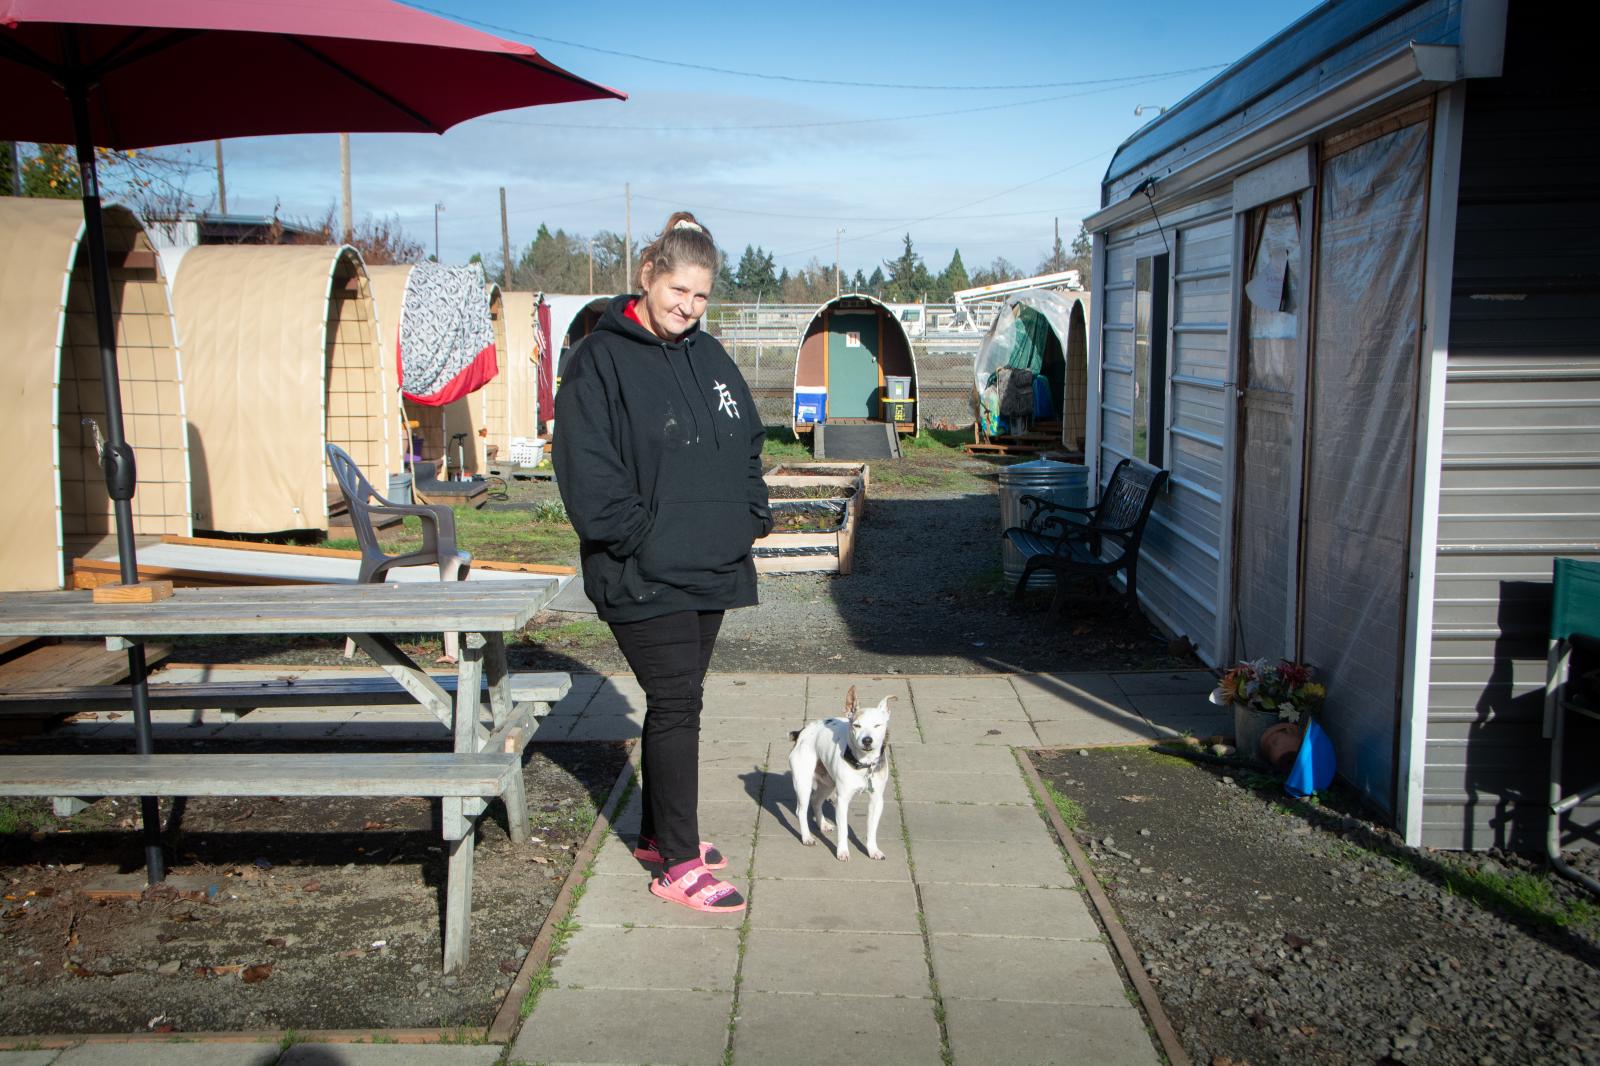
[1070, 810]
[783, 444]
[542, 535]
[580, 635]
[1530, 898]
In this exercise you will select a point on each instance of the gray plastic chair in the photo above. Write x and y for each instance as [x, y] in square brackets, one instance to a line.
[438, 526]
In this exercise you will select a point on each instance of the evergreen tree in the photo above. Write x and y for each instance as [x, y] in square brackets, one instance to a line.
[757, 276]
[10, 181]
[875, 284]
[859, 284]
[954, 277]
[908, 276]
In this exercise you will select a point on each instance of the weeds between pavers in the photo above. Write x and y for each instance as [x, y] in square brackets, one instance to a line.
[744, 925]
[946, 1052]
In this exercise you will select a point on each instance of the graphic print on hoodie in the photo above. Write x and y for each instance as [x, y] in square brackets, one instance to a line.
[658, 458]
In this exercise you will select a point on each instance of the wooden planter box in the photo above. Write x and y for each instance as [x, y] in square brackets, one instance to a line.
[831, 551]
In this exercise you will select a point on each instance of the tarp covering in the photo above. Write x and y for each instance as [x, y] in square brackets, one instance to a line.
[446, 335]
[1030, 325]
[1362, 398]
[546, 405]
[388, 285]
[50, 382]
[282, 355]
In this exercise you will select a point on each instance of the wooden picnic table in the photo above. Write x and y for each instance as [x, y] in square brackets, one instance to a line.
[487, 752]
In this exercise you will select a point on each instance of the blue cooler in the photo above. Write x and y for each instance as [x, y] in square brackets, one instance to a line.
[810, 405]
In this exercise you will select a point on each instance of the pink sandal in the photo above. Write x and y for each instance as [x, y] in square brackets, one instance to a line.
[699, 891]
[710, 857]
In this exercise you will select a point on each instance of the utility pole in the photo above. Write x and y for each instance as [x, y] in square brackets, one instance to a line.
[437, 207]
[16, 166]
[347, 233]
[222, 186]
[505, 240]
[836, 284]
[591, 266]
[627, 237]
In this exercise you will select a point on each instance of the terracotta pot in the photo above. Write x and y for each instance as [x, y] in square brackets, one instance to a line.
[1280, 744]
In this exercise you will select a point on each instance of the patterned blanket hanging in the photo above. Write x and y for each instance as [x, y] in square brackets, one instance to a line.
[446, 336]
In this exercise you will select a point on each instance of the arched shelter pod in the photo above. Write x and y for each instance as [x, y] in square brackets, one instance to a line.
[429, 439]
[520, 366]
[572, 318]
[388, 283]
[851, 348]
[495, 399]
[283, 356]
[1046, 332]
[50, 380]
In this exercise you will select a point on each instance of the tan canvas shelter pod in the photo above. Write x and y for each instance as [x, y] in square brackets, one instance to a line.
[520, 312]
[1045, 331]
[435, 425]
[283, 356]
[494, 399]
[855, 364]
[50, 384]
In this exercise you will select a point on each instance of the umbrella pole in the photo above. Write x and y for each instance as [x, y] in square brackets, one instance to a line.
[117, 458]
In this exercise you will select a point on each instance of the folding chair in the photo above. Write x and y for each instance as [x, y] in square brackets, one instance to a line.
[1572, 686]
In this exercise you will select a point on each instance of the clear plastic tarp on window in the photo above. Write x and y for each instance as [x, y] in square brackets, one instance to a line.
[1360, 441]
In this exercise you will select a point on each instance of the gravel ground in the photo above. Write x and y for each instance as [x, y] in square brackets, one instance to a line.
[926, 596]
[1277, 931]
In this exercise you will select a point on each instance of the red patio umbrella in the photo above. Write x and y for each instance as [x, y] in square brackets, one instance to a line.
[138, 73]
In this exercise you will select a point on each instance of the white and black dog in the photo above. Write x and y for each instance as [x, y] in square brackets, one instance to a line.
[836, 758]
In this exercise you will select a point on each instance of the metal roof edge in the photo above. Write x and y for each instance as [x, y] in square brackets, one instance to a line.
[1316, 35]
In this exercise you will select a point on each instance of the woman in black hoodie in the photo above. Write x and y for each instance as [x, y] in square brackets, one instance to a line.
[658, 457]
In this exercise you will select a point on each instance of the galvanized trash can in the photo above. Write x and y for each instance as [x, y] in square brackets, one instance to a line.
[399, 488]
[1063, 483]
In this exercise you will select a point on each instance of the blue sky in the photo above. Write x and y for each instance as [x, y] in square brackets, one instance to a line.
[989, 182]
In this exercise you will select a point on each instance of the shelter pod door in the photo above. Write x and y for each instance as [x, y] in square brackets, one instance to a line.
[1271, 419]
[853, 372]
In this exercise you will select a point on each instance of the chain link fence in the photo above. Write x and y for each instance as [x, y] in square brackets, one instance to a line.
[764, 342]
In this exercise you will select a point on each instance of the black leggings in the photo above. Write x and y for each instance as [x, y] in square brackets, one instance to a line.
[669, 656]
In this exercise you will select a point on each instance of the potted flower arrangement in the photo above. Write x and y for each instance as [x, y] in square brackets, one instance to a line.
[1265, 697]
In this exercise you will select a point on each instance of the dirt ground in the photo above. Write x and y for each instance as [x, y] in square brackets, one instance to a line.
[1285, 931]
[277, 913]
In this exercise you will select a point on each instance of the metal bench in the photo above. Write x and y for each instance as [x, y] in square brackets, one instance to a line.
[463, 782]
[1093, 542]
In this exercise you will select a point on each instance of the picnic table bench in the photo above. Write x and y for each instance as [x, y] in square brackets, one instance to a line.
[1094, 542]
[489, 723]
[237, 697]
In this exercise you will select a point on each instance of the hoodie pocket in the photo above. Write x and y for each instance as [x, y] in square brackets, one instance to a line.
[696, 544]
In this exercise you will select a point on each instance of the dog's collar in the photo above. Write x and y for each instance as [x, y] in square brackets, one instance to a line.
[857, 764]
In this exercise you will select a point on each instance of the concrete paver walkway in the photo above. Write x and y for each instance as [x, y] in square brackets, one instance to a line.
[972, 942]
[972, 939]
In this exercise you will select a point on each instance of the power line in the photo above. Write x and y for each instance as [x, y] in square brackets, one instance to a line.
[764, 76]
[610, 127]
[897, 219]
[958, 207]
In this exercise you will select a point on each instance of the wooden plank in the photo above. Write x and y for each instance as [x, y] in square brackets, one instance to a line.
[204, 774]
[797, 564]
[141, 591]
[251, 695]
[96, 573]
[70, 665]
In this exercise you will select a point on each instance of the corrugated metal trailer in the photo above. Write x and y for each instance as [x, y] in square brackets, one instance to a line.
[1345, 293]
